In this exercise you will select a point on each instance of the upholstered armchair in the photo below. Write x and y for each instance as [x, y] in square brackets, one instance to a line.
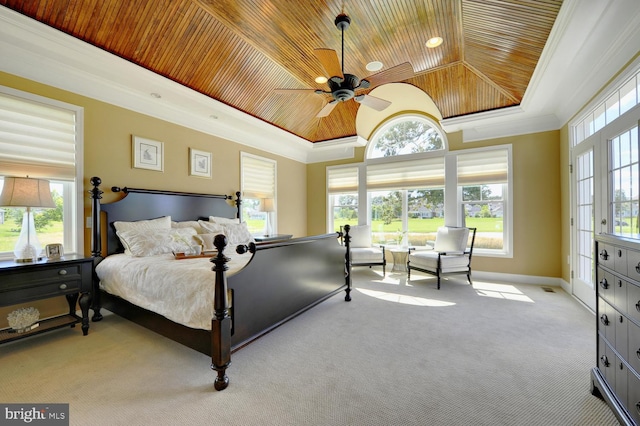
[450, 255]
[363, 253]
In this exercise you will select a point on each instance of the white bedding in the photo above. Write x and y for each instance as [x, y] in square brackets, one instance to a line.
[181, 290]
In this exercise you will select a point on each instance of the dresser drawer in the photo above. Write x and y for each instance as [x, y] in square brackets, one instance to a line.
[606, 285]
[605, 255]
[43, 274]
[634, 346]
[633, 398]
[633, 301]
[606, 320]
[633, 265]
[607, 362]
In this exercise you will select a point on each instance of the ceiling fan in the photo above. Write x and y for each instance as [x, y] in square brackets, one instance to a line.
[343, 87]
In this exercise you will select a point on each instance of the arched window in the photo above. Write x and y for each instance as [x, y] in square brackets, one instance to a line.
[406, 135]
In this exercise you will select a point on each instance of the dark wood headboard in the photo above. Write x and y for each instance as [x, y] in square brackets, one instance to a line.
[141, 204]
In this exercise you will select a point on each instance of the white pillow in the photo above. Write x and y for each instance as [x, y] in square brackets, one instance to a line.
[237, 233]
[221, 220]
[189, 224]
[206, 241]
[449, 239]
[211, 227]
[141, 243]
[144, 225]
[360, 236]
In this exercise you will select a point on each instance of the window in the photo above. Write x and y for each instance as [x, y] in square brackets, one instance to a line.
[413, 186]
[42, 138]
[342, 190]
[483, 177]
[625, 184]
[258, 186]
[624, 97]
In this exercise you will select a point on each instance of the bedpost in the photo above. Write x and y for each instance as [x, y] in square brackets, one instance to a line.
[96, 243]
[221, 322]
[347, 262]
[238, 203]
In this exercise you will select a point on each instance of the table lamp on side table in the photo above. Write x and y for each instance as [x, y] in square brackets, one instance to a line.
[29, 193]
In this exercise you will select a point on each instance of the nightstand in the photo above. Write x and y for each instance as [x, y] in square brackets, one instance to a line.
[70, 276]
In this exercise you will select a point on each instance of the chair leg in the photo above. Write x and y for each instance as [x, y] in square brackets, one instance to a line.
[469, 277]
[438, 281]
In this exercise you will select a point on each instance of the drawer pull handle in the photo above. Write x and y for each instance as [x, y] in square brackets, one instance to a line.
[604, 255]
[620, 283]
[638, 407]
[63, 287]
[638, 353]
[604, 283]
[62, 272]
[621, 319]
[638, 306]
[604, 319]
[619, 252]
[638, 268]
[605, 360]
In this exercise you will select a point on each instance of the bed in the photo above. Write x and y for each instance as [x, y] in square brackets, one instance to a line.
[247, 290]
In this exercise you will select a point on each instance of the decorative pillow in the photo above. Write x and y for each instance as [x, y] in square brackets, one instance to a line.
[237, 233]
[144, 225]
[211, 227]
[221, 220]
[189, 224]
[206, 241]
[141, 243]
[360, 236]
[450, 239]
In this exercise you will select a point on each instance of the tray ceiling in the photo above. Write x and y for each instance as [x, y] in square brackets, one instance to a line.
[239, 51]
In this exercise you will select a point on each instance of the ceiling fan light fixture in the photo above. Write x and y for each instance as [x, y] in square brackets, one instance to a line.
[374, 66]
[321, 79]
[434, 42]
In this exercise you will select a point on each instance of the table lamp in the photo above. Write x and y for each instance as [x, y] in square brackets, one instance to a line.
[29, 193]
[267, 206]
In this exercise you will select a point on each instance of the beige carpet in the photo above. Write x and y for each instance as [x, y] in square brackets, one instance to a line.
[398, 354]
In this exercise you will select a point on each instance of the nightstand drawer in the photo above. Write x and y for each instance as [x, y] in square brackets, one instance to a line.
[40, 291]
[43, 274]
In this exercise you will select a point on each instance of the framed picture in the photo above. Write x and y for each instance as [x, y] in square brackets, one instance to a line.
[199, 163]
[54, 251]
[148, 154]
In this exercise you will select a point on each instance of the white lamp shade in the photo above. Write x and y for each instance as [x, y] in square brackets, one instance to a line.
[267, 205]
[26, 192]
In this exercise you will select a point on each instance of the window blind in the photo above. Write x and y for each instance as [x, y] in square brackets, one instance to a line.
[342, 180]
[258, 177]
[412, 174]
[483, 167]
[36, 139]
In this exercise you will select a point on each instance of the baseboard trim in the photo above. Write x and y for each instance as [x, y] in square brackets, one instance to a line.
[520, 279]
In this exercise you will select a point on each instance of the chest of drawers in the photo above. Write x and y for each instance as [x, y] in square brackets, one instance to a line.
[26, 282]
[616, 378]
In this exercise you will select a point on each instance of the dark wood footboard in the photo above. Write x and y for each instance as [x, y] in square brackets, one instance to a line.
[281, 281]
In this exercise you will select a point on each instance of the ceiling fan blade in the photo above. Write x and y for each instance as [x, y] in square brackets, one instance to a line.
[372, 102]
[398, 73]
[326, 110]
[329, 60]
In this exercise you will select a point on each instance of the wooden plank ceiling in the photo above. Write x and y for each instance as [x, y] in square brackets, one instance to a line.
[239, 51]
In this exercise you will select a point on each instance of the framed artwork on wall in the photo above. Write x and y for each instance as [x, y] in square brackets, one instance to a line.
[199, 163]
[147, 154]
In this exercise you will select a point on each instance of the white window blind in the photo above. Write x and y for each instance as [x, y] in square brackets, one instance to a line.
[483, 167]
[412, 174]
[342, 180]
[36, 139]
[258, 177]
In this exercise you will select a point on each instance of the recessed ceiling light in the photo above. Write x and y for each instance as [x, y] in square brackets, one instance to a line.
[321, 80]
[374, 66]
[434, 42]
[156, 95]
